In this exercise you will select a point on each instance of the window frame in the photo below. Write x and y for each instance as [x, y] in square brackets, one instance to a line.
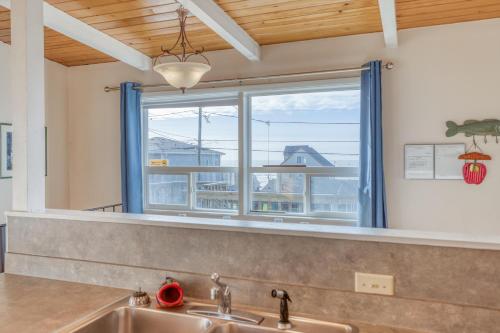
[190, 171]
[241, 96]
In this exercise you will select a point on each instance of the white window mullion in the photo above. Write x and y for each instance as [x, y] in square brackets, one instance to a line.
[307, 194]
[244, 156]
[144, 156]
[192, 191]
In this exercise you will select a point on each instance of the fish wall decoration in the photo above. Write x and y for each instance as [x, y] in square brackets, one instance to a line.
[475, 128]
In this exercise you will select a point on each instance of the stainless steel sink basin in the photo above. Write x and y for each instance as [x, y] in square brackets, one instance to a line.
[239, 328]
[120, 318]
[139, 320]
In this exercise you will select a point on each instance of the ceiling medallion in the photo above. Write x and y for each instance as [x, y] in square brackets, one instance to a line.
[182, 74]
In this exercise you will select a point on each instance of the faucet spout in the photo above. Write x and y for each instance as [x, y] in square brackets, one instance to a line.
[221, 293]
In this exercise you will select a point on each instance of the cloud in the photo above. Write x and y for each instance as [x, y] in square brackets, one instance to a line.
[319, 101]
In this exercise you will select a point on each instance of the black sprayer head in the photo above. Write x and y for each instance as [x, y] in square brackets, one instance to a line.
[281, 294]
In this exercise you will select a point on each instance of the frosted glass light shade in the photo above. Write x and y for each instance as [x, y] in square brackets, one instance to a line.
[182, 75]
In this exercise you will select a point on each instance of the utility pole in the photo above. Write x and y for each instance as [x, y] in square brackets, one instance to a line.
[200, 116]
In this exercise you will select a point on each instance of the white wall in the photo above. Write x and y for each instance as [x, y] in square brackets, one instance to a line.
[5, 117]
[56, 120]
[442, 73]
[57, 190]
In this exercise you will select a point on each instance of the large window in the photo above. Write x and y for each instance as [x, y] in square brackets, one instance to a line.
[291, 153]
[192, 156]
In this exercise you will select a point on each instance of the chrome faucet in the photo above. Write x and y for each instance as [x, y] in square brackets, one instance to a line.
[221, 293]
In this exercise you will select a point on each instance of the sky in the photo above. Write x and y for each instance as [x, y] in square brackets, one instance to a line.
[277, 121]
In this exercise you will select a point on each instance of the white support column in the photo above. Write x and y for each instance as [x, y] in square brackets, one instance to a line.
[28, 105]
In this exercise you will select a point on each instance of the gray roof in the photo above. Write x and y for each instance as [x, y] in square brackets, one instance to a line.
[290, 150]
[164, 145]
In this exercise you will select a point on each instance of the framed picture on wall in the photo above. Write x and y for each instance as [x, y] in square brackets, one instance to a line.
[6, 157]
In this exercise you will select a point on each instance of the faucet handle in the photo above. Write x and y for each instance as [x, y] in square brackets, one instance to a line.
[215, 277]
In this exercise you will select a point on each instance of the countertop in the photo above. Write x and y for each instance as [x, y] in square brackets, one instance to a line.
[30, 304]
[396, 236]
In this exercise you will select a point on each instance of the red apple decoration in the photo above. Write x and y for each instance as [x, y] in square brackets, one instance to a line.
[474, 172]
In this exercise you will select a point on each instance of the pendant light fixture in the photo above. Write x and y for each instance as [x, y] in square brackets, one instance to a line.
[183, 73]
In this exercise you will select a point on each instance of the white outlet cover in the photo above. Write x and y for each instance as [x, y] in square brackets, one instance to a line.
[374, 284]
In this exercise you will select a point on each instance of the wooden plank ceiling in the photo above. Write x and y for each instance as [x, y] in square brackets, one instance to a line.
[147, 24]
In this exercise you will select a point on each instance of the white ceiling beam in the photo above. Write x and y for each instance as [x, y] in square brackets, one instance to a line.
[79, 31]
[216, 19]
[389, 23]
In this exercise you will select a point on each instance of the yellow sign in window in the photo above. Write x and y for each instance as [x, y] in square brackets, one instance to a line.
[158, 163]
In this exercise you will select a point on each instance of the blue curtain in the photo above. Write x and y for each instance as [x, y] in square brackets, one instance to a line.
[372, 201]
[130, 121]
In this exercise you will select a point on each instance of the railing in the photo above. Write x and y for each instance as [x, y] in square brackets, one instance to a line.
[109, 208]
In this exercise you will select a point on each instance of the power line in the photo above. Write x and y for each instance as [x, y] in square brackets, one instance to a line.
[163, 133]
[286, 141]
[253, 150]
[236, 149]
[273, 121]
[236, 140]
[170, 114]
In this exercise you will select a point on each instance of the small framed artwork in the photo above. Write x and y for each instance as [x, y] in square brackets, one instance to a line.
[419, 161]
[6, 156]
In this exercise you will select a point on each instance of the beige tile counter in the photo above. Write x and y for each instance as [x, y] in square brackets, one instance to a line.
[34, 305]
[29, 304]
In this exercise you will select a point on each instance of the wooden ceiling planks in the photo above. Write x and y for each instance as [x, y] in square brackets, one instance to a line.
[423, 13]
[58, 47]
[148, 24]
[270, 22]
[142, 24]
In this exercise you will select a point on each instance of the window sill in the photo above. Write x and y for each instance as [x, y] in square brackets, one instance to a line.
[277, 228]
[255, 217]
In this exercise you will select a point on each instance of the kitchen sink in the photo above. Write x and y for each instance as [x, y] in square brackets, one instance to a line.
[239, 328]
[141, 320]
[121, 318]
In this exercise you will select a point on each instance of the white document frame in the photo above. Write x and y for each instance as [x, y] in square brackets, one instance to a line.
[433, 161]
[419, 161]
[447, 166]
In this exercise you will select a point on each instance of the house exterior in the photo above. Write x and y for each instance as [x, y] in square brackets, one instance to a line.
[178, 153]
[283, 193]
[304, 155]
[214, 190]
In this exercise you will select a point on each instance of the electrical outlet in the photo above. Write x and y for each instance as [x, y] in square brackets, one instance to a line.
[374, 284]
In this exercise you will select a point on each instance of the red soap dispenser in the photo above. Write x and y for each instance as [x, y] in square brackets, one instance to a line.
[170, 294]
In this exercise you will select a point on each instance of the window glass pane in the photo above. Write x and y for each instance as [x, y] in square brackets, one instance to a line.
[334, 195]
[168, 189]
[314, 129]
[278, 193]
[193, 136]
[216, 190]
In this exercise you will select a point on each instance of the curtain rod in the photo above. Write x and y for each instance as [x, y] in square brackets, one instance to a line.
[240, 81]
